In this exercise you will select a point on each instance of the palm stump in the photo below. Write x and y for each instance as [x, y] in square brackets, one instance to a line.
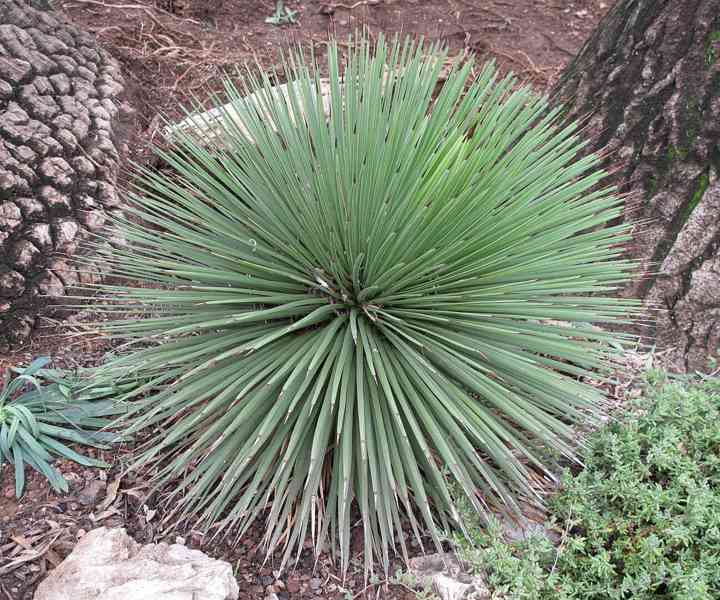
[58, 158]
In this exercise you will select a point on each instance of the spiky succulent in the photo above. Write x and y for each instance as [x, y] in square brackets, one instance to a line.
[354, 296]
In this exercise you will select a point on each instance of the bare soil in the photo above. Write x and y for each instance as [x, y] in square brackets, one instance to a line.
[175, 50]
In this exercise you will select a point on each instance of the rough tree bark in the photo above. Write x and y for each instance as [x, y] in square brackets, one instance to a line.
[649, 78]
[58, 157]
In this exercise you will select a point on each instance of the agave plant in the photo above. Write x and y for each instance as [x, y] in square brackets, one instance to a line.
[40, 414]
[345, 309]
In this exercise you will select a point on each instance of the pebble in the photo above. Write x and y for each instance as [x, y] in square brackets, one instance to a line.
[315, 583]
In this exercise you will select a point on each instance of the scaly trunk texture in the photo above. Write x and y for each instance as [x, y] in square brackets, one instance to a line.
[649, 79]
[58, 158]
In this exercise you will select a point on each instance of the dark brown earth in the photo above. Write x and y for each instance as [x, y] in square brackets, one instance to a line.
[167, 58]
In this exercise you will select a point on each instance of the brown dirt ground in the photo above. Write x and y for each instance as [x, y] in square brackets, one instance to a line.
[168, 56]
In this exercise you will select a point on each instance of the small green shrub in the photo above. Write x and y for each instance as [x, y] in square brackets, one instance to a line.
[354, 312]
[282, 15]
[39, 414]
[641, 521]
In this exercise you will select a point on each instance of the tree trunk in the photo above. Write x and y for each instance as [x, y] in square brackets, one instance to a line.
[648, 81]
[58, 158]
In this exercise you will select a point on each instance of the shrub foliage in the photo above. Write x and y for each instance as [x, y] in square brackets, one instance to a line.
[354, 312]
[642, 521]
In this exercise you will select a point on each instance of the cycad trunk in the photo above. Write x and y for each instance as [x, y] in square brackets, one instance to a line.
[650, 79]
[58, 158]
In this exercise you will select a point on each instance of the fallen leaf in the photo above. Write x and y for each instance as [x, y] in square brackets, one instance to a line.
[149, 513]
[135, 493]
[52, 557]
[104, 514]
[22, 541]
[111, 494]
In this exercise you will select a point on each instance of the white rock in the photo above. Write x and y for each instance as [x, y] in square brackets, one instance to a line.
[207, 126]
[449, 588]
[107, 564]
[445, 574]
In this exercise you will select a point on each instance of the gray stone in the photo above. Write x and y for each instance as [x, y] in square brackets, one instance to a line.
[110, 90]
[315, 583]
[42, 107]
[208, 126]
[107, 564]
[444, 573]
[44, 145]
[531, 523]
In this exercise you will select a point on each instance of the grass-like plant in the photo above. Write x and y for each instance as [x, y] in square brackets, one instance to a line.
[362, 309]
[40, 414]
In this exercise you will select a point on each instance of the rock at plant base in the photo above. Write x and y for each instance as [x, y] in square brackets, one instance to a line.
[107, 564]
[445, 574]
[205, 127]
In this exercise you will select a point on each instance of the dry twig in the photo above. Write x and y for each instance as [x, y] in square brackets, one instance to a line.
[29, 554]
[329, 9]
